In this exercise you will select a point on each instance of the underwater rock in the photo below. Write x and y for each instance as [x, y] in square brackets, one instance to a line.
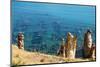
[20, 40]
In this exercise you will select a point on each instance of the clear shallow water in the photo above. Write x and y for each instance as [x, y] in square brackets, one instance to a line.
[44, 25]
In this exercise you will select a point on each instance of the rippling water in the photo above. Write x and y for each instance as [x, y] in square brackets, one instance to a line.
[44, 25]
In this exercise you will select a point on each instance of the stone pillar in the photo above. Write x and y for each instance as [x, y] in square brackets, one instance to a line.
[70, 47]
[74, 46]
[61, 51]
[20, 38]
[87, 44]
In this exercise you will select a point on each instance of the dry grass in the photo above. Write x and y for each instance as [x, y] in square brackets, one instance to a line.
[22, 57]
[79, 60]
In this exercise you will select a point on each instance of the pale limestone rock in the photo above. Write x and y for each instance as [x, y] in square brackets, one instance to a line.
[68, 49]
[71, 46]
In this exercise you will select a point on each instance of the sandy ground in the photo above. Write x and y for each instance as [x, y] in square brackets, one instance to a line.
[22, 57]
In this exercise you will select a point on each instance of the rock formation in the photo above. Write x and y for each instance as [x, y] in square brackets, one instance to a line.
[93, 51]
[61, 51]
[20, 40]
[68, 49]
[88, 47]
[70, 46]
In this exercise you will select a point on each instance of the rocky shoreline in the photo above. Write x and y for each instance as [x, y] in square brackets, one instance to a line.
[66, 52]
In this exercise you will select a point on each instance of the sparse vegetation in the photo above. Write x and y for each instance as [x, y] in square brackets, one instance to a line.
[22, 57]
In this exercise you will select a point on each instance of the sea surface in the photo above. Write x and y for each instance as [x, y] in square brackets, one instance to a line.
[44, 24]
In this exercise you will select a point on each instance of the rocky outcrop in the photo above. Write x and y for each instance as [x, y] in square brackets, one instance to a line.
[88, 47]
[61, 51]
[69, 48]
[20, 39]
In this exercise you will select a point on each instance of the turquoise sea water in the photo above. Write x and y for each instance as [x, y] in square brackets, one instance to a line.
[44, 24]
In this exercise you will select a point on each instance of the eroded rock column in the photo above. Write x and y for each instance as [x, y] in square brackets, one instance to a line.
[70, 46]
[20, 42]
[88, 47]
